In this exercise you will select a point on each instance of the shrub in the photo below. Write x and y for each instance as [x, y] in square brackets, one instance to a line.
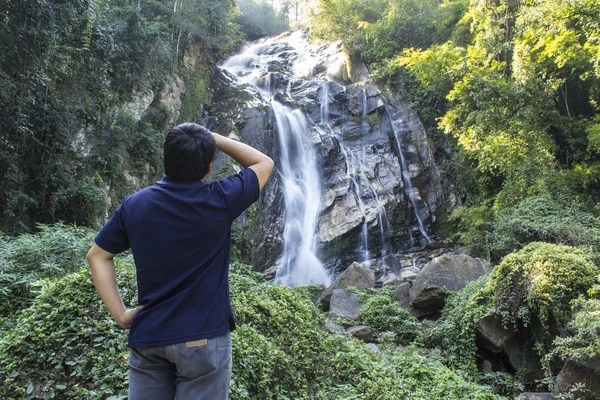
[454, 333]
[535, 286]
[531, 289]
[66, 346]
[586, 322]
[382, 313]
[82, 203]
[53, 251]
[540, 218]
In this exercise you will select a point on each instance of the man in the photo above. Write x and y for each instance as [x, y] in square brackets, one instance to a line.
[179, 232]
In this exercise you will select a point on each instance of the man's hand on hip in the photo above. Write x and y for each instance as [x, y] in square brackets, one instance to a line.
[127, 316]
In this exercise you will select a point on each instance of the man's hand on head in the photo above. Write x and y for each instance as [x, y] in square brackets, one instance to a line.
[247, 156]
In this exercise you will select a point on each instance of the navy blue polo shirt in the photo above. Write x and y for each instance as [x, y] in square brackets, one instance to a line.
[180, 237]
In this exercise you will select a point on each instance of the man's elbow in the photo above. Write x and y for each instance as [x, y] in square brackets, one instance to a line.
[270, 164]
[90, 255]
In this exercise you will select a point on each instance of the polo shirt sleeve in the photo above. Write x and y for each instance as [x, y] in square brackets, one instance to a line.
[113, 235]
[240, 191]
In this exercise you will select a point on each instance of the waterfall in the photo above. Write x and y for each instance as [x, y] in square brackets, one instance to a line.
[302, 194]
[299, 174]
[411, 191]
[340, 169]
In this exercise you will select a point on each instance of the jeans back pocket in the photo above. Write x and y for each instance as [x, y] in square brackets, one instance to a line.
[192, 362]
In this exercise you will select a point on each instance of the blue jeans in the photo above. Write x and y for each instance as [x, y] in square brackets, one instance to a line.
[187, 371]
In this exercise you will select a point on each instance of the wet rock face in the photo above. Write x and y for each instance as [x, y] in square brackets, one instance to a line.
[366, 207]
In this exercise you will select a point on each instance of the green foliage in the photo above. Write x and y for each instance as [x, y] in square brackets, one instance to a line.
[66, 345]
[535, 286]
[586, 342]
[454, 333]
[540, 218]
[51, 252]
[382, 313]
[196, 94]
[258, 19]
[503, 383]
[550, 277]
[532, 291]
[65, 85]
[83, 203]
[472, 224]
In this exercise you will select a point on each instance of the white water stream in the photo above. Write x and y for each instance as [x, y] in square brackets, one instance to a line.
[298, 168]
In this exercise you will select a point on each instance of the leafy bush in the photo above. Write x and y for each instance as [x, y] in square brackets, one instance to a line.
[535, 286]
[382, 313]
[540, 218]
[455, 332]
[54, 251]
[81, 203]
[66, 346]
[531, 290]
[586, 342]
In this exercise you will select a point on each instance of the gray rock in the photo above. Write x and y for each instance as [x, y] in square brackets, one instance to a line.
[373, 347]
[492, 335]
[487, 367]
[332, 327]
[536, 396]
[418, 312]
[344, 304]
[586, 372]
[402, 294]
[442, 275]
[355, 276]
[361, 332]
[513, 352]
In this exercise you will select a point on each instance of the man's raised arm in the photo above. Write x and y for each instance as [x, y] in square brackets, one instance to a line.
[247, 156]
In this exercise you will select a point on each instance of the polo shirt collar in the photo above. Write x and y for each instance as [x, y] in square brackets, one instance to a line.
[172, 182]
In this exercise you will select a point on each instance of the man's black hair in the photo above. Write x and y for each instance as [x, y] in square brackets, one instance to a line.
[189, 149]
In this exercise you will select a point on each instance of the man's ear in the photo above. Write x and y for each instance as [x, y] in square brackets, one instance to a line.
[207, 172]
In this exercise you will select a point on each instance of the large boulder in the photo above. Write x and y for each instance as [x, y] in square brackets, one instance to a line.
[492, 335]
[402, 295]
[344, 304]
[586, 372]
[361, 332]
[513, 353]
[444, 274]
[355, 276]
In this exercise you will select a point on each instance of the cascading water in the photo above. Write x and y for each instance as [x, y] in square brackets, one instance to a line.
[299, 174]
[302, 194]
[410, 190]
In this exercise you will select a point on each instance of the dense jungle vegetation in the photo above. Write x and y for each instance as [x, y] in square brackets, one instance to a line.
[511, 89]
[508, 90]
